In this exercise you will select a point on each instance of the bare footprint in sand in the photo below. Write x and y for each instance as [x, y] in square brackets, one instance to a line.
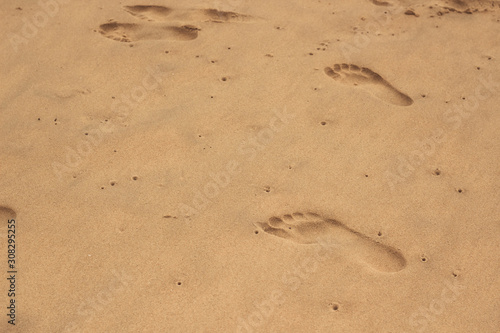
[369, 80]
[382, 3]
[132, 32]
[160, 13]
[311, 228]
[150, 13]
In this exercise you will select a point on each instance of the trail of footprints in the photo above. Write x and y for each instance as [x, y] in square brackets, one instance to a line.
[311, 228]
[157, 29]
[302, 228]
[353, 75]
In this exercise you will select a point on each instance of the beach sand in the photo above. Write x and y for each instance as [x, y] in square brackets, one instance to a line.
[250, 166]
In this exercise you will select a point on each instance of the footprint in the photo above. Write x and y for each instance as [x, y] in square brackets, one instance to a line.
[311, 228]
[132, 32]
[381, 3]
[150, 13]
[160, 13]
[469, 6]
[215, 15]
[368, 79]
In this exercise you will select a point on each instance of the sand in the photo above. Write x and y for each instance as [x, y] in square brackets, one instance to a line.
[250, 166]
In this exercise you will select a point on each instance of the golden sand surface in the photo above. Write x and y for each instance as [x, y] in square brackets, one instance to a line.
[250, 166]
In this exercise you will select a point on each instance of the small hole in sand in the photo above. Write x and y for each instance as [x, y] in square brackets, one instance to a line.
[224, 79]
[323, 123]
[179, 283]
[86, 133]
[437, 172]
[366, 176]
[256, 232]
[460, 190]
[311, 53]
[334, 306]
[102, 188]
[113, 183]
[424, 259]
[38, 118]
[167, 52]
[135, 178]
[478, 68]
[379, 234]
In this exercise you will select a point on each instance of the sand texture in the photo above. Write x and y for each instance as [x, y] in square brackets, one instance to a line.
[250, 166]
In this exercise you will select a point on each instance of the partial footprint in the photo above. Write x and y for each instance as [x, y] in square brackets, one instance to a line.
[160, 13]
[369, 80]
[469, 6]
[150, 13]
[381, 3]
[310, 228]
[222, 16]
[132, 32]
[6, 214]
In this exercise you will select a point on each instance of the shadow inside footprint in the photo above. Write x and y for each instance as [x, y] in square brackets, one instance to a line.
[366, 78]
[311, 228]
[132, 32]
